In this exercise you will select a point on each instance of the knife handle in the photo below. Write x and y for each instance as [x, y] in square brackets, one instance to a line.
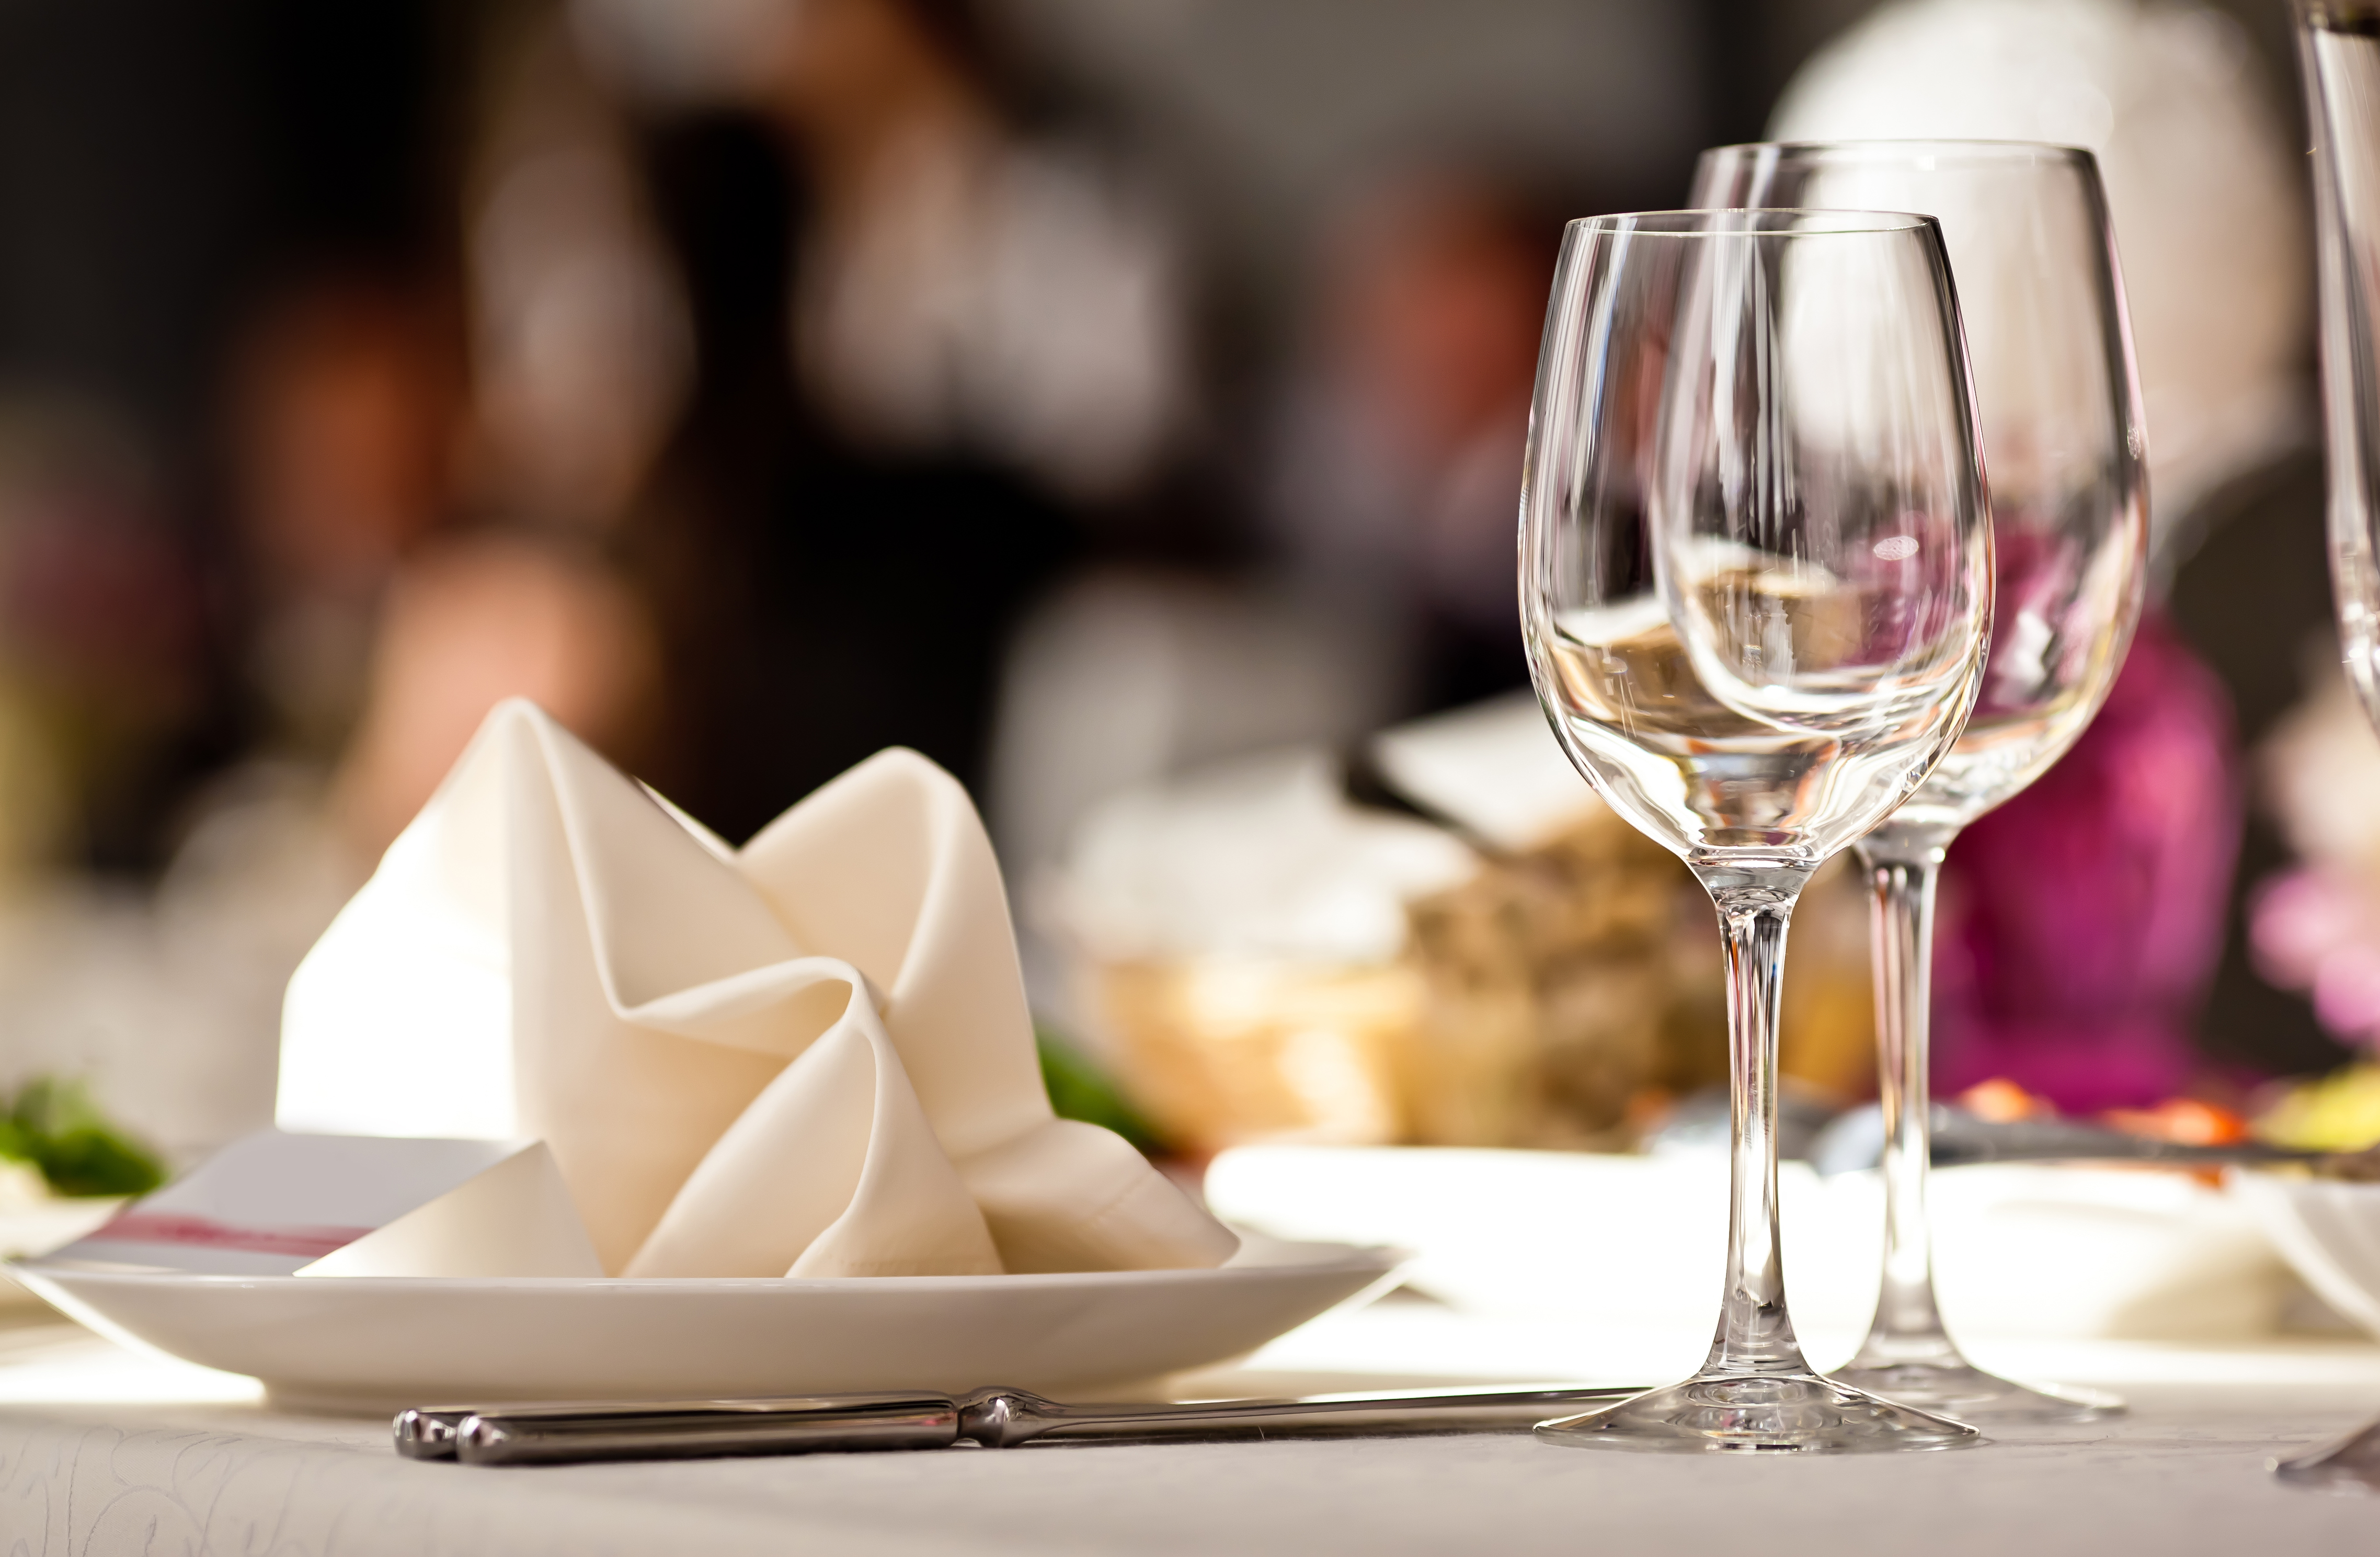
[563, 1438]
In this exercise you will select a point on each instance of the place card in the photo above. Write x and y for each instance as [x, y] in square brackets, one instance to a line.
[279, 1203]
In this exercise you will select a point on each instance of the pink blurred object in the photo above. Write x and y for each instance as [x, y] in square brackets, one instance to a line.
[2317, 931]
[2082, 921]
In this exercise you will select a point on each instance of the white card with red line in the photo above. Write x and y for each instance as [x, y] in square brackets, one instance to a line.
[278, 1203]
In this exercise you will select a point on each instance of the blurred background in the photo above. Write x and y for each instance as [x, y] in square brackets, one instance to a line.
[1120, 401]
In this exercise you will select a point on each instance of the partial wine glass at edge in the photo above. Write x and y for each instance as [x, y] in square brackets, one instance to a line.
[2338, 53]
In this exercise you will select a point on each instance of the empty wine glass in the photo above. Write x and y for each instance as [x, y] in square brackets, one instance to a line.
[2056, 395]
[1755, 584]
[2338, 53]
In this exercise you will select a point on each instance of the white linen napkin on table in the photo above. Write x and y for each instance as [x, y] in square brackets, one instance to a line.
[810, 1057]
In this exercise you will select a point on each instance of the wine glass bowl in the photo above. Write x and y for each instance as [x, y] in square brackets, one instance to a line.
[2338, 53]
[2057, 399]
[1755, 587]
[2049, 349]
[1764, 644]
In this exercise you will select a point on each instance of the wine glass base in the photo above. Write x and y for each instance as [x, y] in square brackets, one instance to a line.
[1967, 1394]
[2350, 1465]
[1759, 1414]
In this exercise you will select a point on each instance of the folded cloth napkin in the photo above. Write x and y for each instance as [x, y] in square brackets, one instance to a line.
[808, 1057]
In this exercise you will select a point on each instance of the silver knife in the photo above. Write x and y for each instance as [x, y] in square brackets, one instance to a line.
[572, 1433]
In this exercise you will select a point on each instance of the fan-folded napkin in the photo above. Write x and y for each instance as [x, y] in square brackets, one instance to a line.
[810, 1056]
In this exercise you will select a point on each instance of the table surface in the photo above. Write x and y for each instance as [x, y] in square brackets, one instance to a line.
[103, 1451]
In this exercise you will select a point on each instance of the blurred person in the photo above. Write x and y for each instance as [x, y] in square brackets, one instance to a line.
[388, 619]
[579, 338]
[818, 599]
[344, 400]
[469, 624]
[170, 999]
[1394, 492]
[106, 670]
[962, 287]
[2093, 925]
[930, 353]
[2203, 181]
[386, 627]
[1388, 502]
[959, 285]
[386, 563]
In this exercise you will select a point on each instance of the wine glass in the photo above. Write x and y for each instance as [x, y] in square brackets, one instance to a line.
[1755, 585]
[2055, 389]
[2338, 54]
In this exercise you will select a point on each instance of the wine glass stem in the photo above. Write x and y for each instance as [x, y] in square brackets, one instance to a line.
[1755, 1334]
[1905, 862]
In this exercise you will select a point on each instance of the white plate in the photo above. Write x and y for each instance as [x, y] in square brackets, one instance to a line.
[376, 1343]
[2329, 1231]
[29, 1231]
[2020, 1249]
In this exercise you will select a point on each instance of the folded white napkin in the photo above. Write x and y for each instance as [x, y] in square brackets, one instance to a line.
[810, 1057]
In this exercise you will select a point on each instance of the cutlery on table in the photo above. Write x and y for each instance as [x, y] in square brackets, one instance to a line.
[565, 1433]
[2345, 1462]
[1855, 1141]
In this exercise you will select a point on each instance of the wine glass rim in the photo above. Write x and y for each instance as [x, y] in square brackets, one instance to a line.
[1980, 149]
[1782, 221]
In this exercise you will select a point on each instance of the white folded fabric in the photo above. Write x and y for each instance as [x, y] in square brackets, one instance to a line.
[807, 1057]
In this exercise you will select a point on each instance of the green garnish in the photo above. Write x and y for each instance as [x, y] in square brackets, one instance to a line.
[1080, 1089]
[55, 1127]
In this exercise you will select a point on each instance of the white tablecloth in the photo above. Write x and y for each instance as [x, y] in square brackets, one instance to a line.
[103, 1452]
